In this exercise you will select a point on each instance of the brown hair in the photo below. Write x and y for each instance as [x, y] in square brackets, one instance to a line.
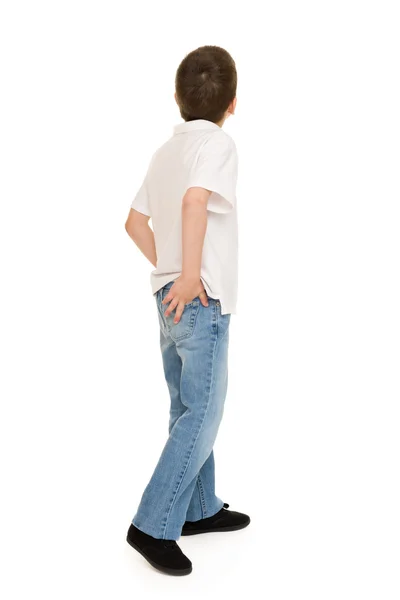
[205, 83]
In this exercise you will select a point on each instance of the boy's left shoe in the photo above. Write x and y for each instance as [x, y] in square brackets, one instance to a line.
[224, 520]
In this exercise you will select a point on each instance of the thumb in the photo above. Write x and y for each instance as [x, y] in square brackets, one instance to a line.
[203, 298]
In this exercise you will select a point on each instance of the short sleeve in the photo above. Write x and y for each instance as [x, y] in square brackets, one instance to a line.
[141, 200]
[216, 170]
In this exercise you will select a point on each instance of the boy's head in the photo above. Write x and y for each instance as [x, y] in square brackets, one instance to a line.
[205, 84]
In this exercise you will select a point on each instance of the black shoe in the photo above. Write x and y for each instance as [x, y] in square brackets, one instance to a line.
[164, 555]
[224, 520]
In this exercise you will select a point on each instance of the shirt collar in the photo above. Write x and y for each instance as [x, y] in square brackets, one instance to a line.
[196, 124]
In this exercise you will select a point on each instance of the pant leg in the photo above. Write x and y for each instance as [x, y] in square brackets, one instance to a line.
[201, 342]
[204, 502]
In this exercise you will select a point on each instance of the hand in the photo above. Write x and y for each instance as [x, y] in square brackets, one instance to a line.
[182, 292]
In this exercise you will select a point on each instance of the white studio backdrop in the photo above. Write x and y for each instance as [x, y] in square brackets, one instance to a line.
[309, 444]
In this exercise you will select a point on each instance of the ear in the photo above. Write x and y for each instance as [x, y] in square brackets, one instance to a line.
[232, 106]
[176, 98]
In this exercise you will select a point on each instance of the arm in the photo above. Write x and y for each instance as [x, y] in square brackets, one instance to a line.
[138, 229]
[194, 225]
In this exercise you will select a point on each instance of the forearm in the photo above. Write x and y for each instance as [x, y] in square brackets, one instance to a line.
[144, 239]
[194, 225]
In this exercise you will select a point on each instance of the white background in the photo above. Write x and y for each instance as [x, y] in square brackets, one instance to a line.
[309, 444]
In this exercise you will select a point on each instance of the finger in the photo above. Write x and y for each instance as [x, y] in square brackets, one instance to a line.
[168, 297]
[171, 306]
[179, 312]
[203, 298]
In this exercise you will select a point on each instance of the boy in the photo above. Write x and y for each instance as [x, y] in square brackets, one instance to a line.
[189, 193]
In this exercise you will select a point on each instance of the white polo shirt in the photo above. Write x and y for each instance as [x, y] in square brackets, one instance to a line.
[198, 154]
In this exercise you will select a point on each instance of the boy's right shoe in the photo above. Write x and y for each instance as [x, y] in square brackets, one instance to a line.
[164, 555]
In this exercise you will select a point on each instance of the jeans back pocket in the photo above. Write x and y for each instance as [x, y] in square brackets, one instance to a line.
[184, 328]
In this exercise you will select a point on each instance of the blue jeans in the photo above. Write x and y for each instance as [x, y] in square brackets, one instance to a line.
[195, 359]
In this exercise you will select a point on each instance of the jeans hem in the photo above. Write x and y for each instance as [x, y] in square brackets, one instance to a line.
[209, 515]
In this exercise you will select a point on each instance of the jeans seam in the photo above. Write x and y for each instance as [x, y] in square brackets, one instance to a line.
[194, 441]
[202, 497]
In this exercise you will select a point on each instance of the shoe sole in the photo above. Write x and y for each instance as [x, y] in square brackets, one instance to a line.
[166, 570]
[219, 530]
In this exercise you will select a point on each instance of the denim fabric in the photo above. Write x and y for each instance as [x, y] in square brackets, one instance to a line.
[195, 359]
